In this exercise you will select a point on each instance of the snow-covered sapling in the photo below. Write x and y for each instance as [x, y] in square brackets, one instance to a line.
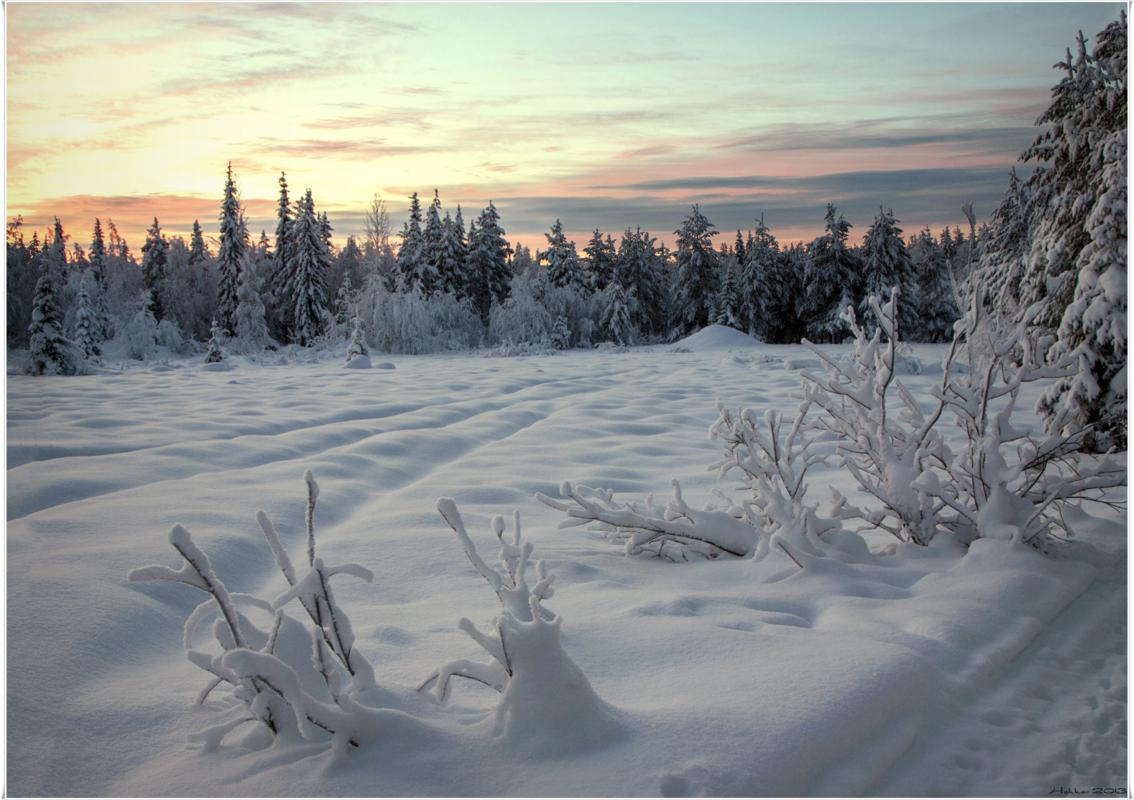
[545, 698]
[214, 353]
[357, 349]
[268, 686]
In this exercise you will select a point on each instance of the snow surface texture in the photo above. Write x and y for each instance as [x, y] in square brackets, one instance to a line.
[998, 672]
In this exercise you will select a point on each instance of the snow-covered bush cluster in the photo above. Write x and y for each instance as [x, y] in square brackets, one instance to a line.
[294, 680]
[1000, 483]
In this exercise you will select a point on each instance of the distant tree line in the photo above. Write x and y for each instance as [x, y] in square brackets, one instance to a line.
[1054, 252]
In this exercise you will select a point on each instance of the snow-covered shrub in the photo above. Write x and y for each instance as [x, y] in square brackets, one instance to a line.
[294, 692]
[521, 319]
[143, 338]
[543, 692]
[302, 679]
[891, 455]
[1000, 483]
[1004, 482]
[411, 323]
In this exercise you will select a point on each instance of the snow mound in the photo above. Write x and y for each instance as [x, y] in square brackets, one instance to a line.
[358, 362]
[217, 366]
[715, 337]
[385, 365]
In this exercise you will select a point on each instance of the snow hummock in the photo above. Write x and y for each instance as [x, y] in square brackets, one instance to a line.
[715, 337]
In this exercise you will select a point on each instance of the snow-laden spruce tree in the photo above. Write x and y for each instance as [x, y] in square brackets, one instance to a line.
[885, 263]
[104, 324]
[1093, 326]
[232, 256]
[640, 270]
[1004, 255]
[831, 283]
[937, 291]
[198, 250]
[617, 319]
[154, 264]
[51, 353]
[307, 288]
[601, 255]
[697, 272]
[454, 252]
[563, 265]
[433, 242]
[414, 268]
[279, 277]
[728, 304]
[762, 302]
[88, 335]
[486, 268]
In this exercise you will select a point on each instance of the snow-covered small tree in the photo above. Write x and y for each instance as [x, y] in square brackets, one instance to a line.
[88, 334]
[616, 321]
[832, 281]
[214, 351]
[51, 352]
[561, 333]
[357, 346]
[251, 324]
[546, 700]
[198, 250]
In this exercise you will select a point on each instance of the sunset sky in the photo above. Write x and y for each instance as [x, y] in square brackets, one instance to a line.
[602, 115]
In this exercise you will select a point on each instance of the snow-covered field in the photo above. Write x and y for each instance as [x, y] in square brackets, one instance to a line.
[1002, 672]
